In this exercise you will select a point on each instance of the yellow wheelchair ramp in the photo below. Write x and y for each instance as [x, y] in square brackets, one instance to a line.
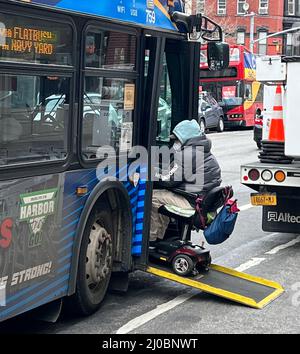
[227, 283]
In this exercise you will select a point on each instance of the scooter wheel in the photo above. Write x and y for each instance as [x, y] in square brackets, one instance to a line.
[183, 265]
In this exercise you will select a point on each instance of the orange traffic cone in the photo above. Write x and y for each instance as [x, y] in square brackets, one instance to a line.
[276, 132]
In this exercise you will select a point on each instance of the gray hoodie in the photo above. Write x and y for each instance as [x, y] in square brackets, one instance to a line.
[179, 173]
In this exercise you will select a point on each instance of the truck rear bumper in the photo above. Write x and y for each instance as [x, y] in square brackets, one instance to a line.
[292, 173]
[285, 216]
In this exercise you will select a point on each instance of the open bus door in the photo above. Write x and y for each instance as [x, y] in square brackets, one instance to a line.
[170, 96]
[174, 64]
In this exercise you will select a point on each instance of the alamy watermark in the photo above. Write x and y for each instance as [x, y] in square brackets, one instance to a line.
[162, 164]
[296, 294]
[2, 294]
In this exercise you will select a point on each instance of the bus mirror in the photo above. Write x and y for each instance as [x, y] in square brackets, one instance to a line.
[217, 55]
[198, 26]
[182, 19]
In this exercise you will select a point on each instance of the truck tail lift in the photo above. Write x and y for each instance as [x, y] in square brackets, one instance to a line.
[227, 283]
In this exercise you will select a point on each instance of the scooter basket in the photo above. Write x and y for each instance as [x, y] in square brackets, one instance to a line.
[221, 227]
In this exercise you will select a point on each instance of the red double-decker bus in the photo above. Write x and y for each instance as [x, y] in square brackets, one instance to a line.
[235, 88]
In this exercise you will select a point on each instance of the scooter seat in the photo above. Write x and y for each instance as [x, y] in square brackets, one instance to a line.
[215, 198]
[177, 213]
[211, 200]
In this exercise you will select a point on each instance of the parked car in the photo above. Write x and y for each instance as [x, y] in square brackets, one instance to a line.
[258, 128]
[93, 104]
[211, 114]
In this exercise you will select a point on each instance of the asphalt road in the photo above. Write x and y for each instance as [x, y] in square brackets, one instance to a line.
[155, 306]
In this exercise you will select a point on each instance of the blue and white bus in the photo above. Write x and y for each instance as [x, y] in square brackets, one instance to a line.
[76, 76]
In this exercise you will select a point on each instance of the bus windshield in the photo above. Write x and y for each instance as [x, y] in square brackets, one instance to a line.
[235, 88]
[226, 93]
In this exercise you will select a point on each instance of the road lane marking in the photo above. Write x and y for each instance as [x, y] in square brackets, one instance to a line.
[284, 246]
[160, 309]
[246, 207]
[252, 263]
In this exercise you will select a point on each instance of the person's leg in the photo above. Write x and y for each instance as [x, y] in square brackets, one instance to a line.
[159, 222]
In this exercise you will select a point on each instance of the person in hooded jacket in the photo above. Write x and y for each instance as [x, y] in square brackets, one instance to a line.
[188, 140]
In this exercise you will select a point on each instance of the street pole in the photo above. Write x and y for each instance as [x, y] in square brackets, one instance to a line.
[293, 29]
[252, 28]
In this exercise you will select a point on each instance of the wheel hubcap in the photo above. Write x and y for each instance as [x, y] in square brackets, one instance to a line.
[181, 265]
[98, 257]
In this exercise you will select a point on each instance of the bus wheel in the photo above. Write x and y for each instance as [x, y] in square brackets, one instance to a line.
[220, 127]
[95, 263]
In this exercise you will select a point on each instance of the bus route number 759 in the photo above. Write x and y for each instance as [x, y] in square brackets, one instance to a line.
[150, 16]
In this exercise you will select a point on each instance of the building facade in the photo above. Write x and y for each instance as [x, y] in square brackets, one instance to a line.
[235, 18]
[291, 19]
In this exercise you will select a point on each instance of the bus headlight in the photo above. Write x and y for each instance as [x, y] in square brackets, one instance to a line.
[236, 116]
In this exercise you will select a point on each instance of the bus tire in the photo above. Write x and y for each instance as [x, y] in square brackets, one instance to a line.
[95, 264]
[221, 126]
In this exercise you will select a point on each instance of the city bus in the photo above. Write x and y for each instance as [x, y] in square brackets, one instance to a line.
[235, 88]
[77, 76]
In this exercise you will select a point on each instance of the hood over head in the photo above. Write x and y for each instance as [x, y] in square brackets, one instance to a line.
[186, 130]
[200, 141]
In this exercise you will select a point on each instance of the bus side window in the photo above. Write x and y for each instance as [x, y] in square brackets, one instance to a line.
[248, 92]
[110, 50]
[260, 94]
[34, 117]
[164, 114]
[108, 100]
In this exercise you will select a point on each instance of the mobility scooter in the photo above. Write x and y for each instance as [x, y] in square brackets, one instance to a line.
[178, 251]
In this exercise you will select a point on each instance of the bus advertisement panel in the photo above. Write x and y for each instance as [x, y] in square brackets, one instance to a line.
[235, 88]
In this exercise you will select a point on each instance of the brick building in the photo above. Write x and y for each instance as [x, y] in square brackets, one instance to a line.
[230, 14]
[291, 19]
